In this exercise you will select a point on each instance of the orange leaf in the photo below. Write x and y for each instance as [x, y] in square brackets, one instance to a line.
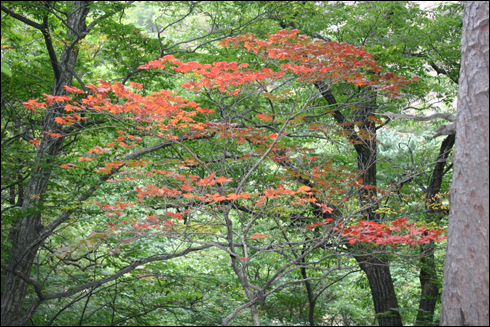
[264, 117]
[245, 195]
[271, 193]
[187, 188]
[260, 200]
[217, 197]
[207, 181]
[136, 85]
[223, 179]
[232, 196]
[325, 208]
[60, 120]
[303, 189]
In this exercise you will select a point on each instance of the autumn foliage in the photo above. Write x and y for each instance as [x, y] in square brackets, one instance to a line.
[171, 118]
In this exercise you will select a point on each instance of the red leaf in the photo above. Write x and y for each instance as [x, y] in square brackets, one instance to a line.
[264, 117]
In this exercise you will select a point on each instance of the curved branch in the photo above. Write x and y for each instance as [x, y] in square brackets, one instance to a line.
[123, 271]
[48, 230]
[449, 117]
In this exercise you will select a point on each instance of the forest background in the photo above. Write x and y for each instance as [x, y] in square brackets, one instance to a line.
[238, 163]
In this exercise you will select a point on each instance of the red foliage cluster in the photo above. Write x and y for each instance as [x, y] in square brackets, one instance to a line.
[372, 232]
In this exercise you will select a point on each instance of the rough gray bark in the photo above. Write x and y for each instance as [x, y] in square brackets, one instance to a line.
[465, 285]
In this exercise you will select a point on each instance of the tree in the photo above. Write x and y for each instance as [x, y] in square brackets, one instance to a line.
[163, 116]
[465, 287]
[387, 30]
[25, 244]
[264, 109]
[64, 23]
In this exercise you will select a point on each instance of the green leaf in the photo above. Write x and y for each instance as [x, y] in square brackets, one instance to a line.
[6, 70]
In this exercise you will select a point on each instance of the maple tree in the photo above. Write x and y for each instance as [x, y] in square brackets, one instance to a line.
[232, 212]
[63, 43]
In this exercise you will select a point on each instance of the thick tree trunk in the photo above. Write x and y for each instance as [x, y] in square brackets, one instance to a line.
[28, 228]
[465, 286]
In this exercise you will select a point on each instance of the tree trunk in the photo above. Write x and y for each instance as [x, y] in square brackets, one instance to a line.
[309, 292]
[429, 287]
[465, 286]
[376, 269]
[428, 275]
[382, 290]
[28, 228]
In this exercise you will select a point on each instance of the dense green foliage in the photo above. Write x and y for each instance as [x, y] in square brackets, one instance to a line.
[201, 287]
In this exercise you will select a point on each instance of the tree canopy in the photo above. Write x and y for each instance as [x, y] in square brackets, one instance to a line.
[226, 162]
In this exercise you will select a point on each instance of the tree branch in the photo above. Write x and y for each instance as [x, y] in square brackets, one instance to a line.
[22, 18]
[446, 129]
[449, 117]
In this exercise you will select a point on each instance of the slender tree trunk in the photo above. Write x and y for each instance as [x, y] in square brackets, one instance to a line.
[428, 275]
[377, 270]
[28, 228]
[428, 284]
[242, 276]
[309, 292]
[465, 285]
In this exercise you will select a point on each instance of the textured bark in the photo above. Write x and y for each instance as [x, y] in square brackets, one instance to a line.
[28, 228]
[465, 285]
